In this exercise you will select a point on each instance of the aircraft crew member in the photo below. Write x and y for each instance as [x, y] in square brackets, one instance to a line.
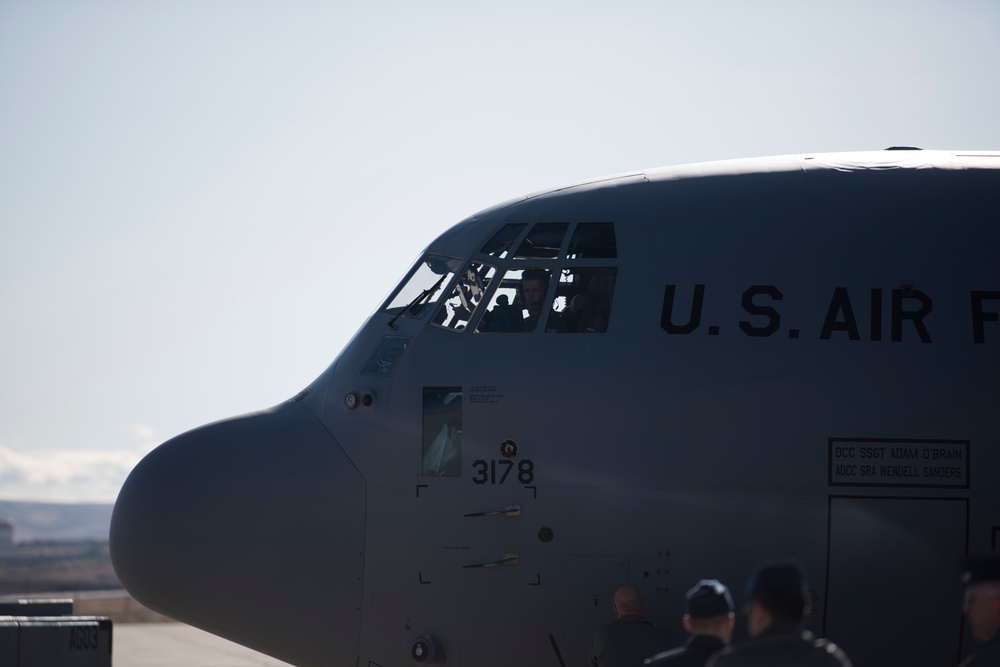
[534, 284]
[709, 619]
[778, 605]
[505, 316]
[631, 638]
[981, 577]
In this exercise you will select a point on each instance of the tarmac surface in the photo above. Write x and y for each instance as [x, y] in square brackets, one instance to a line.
[179, 645]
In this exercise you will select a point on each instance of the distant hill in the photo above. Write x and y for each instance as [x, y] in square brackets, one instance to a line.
[54, 521]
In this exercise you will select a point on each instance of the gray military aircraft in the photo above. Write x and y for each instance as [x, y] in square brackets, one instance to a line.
[651, 378]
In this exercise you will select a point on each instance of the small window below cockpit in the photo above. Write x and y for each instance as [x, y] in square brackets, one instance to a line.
[458, 309]
[424, 286]
[441, 454]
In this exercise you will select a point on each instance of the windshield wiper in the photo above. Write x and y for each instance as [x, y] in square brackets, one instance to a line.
[417, 304]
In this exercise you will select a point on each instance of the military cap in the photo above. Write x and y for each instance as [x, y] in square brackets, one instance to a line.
[781, 588]
[707, 599]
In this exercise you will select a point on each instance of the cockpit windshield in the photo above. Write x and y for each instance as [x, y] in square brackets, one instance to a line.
[552, 277]
[459, 308]
[424, 287]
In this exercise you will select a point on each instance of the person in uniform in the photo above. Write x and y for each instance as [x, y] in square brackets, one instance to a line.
[778, 604]
[630, 639]
[981, 576]
[709, 620]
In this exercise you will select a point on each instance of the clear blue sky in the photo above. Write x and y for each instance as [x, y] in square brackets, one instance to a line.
[200, 202]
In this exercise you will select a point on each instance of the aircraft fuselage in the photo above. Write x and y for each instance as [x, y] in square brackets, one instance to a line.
[732, 362]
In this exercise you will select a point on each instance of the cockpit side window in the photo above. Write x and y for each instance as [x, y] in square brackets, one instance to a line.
[424, 287]
[593, 240]
[499, 246]
[543, 241]
[459, 308]
[583, 300]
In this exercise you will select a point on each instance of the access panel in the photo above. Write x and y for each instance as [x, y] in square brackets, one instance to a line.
[888, 558]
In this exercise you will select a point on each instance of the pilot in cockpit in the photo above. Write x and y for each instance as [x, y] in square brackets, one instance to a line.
[527, 308]
[534, 285]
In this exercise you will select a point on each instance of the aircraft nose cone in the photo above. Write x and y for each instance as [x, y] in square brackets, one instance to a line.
[250, 528]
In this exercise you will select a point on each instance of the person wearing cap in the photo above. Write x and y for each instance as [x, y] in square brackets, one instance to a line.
[630, 638]
[778, 604]
[709, 619]
[981, 576]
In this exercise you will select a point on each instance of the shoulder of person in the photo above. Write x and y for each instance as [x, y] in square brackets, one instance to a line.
[662, 658]
[837, 657]
[604, 632]
[987, 656]
[720, 657]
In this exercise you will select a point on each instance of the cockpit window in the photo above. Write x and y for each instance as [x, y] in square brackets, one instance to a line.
[424, 286]
[518, 302]
[593, 240]
[458, 309]
[583, 300]
[543, 241]
[581, 304]
[499, 245]
[560, 279]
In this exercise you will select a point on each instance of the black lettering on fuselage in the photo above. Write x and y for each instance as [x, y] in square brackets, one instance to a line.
[773, 317]
[840, 316]
[980, 316]
[907, 307]
[876, 311]
[667, 315]
[915, 316]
